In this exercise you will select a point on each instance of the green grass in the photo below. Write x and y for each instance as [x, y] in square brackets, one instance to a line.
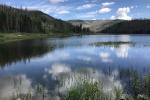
[12, 37]
[109, 43]
[85, 91]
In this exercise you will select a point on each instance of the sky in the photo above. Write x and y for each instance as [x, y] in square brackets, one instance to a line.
[87, 9]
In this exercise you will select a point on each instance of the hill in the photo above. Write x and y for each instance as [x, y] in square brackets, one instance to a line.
[129, 27]
[13, 20]
[115, 26]
[29, 21]
[95, 25]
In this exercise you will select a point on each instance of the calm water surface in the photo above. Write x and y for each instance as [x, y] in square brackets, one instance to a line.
[51, 61]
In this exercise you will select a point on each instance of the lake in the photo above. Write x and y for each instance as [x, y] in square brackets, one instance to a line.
[55, 64]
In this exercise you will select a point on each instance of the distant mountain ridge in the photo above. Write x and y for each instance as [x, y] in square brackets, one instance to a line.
[115, 26]
[95, 25]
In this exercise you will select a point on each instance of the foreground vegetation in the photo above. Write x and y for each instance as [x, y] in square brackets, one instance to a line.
[87, 90]
[84, 85]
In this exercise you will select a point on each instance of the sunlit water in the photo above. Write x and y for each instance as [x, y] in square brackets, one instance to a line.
[108, 58]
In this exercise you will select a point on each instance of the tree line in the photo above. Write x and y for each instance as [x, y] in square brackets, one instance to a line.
[27, 21]
[137, 26]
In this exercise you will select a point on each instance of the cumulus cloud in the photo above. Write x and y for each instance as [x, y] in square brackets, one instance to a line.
[108, 3]
[56, 1]
[85, 6]
[104, 10]
[122, 13]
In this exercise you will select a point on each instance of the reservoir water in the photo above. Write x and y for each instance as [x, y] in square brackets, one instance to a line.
[55, 63]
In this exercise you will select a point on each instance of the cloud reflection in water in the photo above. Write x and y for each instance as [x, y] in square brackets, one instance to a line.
[105, 57]
[122, 51]
[12, 86]
[71, 78]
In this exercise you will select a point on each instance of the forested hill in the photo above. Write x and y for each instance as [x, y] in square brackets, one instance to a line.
[129, 27]
[139, 26]
[27, 21]
[14, 20]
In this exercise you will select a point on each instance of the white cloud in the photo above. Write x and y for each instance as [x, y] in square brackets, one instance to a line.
[56, 1]
[50, 9]
[148, 6]
[122, 13]
[85, 6]
[91, 15]
[132, 7]
[63, 12]
[104, 10]
[108, 3]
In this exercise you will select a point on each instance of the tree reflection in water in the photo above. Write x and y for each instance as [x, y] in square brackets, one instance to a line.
[22, 51]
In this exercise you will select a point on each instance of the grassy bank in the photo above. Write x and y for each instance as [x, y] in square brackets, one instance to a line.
[12, 37]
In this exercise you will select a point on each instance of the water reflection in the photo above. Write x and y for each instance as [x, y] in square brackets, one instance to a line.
[12, 86]
[105, 57]
[122, 51]
[71, 78]
[22, 51]
[20, 86]
[52, 67]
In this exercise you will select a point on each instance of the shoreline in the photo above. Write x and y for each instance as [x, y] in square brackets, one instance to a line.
[14, 37]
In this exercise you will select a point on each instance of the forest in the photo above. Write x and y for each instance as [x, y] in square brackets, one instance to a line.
[137, 26]
[14, 20]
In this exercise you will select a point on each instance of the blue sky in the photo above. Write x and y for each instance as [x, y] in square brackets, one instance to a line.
[87, 9]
